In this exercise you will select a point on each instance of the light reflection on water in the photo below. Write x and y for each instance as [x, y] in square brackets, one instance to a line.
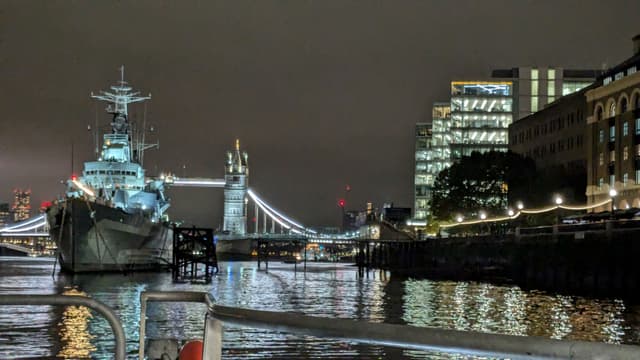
[325, 290]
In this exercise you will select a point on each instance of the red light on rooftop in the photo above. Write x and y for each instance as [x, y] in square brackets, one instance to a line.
[74, 177]
[348, 188]
[341, 203]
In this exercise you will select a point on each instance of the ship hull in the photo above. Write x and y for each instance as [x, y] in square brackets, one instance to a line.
[92, 237]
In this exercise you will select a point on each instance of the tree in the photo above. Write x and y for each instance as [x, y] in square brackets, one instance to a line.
[481, 182]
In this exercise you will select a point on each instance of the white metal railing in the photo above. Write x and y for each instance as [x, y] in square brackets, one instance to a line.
[403, 336]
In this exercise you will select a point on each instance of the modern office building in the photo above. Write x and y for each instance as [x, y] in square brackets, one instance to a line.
[613, 136]
[423, 180]
[481, 112]
[535, 87]
[440, 139]
[21, 207]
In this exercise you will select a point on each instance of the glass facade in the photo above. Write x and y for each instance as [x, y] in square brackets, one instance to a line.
[569, 87]
[433, 154]
[423, 179]
[481, 112]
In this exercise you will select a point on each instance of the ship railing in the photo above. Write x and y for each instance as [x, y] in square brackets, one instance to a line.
[116, 137]
[402, 336]
[104, 310]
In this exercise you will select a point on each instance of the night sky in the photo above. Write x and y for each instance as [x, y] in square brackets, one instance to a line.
[320, 93]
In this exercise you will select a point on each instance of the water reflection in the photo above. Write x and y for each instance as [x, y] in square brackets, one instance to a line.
[327, 290]
[510, 310]
[73, 330]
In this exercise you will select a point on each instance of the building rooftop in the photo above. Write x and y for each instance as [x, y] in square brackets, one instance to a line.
[566, 73]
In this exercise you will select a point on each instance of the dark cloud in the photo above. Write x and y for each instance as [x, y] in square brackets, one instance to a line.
[321, 93]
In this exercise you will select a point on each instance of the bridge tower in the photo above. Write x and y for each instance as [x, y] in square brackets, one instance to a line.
[236, 182]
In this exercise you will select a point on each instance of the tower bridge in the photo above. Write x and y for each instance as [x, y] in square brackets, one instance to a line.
[238, 197]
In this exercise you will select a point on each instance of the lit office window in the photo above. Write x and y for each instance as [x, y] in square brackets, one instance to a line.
[601, 136]
[601, 180]
[625, 179]
[551, 84]
[534, 103]
[612, 155]
[601, 157]
[625, 153]
[612, 180]
[625, 129]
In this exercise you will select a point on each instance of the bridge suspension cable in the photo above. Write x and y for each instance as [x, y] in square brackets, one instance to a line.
[30, 224]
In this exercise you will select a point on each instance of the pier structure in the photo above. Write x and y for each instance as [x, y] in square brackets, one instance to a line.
[194, 255]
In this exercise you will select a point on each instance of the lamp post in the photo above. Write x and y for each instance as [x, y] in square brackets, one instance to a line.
[558, 201]
[483, 216]
[520, 205]
[613, 193]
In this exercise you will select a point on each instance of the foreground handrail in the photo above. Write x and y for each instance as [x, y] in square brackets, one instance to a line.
[423, 338]
[167, 296]
[403, 336]
[104, 310]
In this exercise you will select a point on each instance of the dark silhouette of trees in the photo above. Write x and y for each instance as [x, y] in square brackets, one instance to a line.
[482, 182]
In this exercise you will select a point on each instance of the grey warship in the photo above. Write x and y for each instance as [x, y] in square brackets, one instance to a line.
[112, 218]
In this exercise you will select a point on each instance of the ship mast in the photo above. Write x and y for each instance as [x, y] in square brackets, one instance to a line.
[120, 96]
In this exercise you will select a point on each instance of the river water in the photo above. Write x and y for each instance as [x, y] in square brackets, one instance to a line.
[328, 290]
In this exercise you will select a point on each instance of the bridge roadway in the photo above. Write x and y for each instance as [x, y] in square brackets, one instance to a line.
[288, 237]
[17, 248]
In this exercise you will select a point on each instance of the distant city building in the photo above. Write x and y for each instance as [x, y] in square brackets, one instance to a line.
[613, 135]
[423, 181]
[350, 220]
[481, 112]
[397, 216]
[21, 207]
[5, 215]
[534, 88]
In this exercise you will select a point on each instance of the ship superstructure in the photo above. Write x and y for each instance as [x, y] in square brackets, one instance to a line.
[112, 218]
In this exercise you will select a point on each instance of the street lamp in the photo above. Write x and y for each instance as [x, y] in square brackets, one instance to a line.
[520, 205]
[483, 216]
[510, 212]
[613, 193]
[558, 201]
[459, 218]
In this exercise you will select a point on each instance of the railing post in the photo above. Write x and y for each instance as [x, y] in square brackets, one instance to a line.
[212, 338]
